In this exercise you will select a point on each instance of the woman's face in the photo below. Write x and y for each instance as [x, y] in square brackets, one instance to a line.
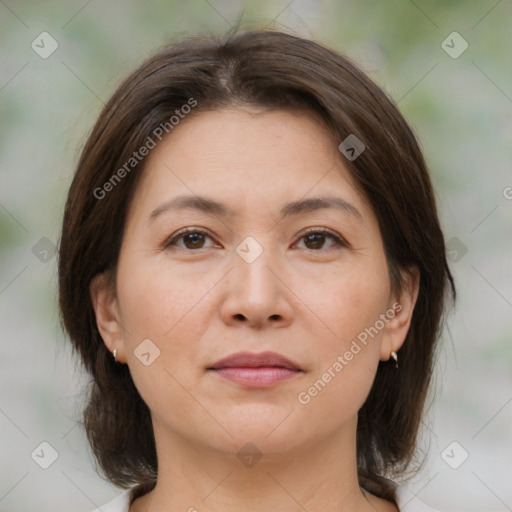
[266, 269]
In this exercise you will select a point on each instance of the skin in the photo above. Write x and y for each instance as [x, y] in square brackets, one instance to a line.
[199, 301]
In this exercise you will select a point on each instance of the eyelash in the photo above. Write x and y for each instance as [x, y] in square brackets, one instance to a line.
[339, 241]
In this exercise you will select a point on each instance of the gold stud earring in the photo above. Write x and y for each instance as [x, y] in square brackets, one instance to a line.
[395, 357]
[115, 354]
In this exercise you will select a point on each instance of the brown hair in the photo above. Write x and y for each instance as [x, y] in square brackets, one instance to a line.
[269, 69]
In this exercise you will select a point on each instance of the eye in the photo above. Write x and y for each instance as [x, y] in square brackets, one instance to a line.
[195, 239]
[192, 238]
[315, 239]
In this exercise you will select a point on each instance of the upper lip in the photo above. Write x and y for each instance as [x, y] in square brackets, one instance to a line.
[251, 360]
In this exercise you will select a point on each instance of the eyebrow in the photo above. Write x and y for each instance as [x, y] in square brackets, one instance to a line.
[208, 205]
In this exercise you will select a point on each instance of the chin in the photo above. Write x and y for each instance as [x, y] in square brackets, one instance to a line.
[271, 428]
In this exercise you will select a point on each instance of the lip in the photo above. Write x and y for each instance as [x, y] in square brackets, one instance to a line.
[256, 370]
[251, 360]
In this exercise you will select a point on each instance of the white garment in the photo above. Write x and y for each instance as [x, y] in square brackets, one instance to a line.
[406, 500]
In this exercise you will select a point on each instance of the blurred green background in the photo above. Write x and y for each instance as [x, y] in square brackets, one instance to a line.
[460, 106]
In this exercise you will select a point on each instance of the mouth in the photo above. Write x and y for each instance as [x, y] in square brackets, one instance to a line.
[256, 370]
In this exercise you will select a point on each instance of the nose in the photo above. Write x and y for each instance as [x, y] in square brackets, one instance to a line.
[257, 294]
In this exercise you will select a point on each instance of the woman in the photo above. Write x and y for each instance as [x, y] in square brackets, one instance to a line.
[252, 270]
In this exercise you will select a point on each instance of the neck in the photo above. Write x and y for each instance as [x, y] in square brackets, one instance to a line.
[197, 477]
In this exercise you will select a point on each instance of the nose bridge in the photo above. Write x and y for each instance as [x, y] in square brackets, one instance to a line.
[253, 268]
[255, 292]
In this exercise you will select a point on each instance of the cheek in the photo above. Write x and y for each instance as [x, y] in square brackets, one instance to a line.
[155, 304]
[171, 309]
[164, 309]
[350, 306]
[351, 299]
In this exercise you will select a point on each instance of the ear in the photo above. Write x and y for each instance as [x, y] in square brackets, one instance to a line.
[106, 309]
[400, 310]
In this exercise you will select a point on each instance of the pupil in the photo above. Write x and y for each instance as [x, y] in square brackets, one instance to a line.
[194, 238]
[316, 238]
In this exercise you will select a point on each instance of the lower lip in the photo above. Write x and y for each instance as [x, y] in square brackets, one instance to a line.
[261, 377]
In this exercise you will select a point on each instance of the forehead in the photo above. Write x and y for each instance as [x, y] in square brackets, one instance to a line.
[246, 157]
[236, 135]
